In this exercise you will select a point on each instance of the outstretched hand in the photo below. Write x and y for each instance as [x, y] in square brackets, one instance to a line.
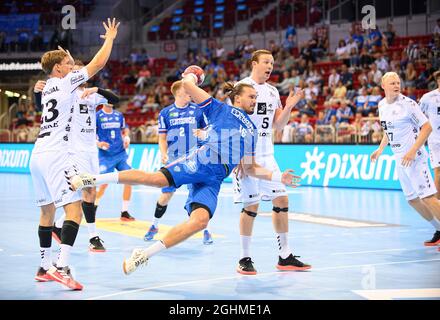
[289, 179]
[111, 29]
[294, 97]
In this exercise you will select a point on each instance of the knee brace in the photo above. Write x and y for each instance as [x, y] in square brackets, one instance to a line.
[249, 213]
[278, 209]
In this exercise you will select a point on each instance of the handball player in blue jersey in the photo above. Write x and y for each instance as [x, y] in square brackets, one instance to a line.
[177, 122]
[113, 140]
[230, 140]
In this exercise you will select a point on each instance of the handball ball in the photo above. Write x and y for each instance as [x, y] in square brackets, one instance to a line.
[197, 71]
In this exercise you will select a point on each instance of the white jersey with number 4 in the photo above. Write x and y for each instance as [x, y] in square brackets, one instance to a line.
[84, 121]
[58, 102]
[268, 101]
[401, 120]
[430, 105]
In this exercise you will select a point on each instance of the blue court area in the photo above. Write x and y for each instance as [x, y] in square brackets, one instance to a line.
[362, 244]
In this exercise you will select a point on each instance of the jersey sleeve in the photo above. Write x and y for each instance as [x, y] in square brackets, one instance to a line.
[251, 143]
[123, 124]
[416, 114]
[163, 123]
[279, 104]
[201, 119]
[75, 79]
[424, 104]
[212, 107]
[97, 99]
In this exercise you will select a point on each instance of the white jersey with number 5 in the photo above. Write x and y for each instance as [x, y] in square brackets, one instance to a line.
[268, 101]
[430, 105]
[58, 101]
[401, 120]
[84, 121]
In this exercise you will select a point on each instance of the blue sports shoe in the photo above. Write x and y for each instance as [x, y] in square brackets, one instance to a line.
[151, 233]
[207, 239]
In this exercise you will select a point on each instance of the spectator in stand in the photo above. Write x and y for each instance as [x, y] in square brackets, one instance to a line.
[289, 43]
[412, 51]
[329, 112]
[311, 89]
[344, 113]
[334, 123]
[284, 86]
[436, 31]
[411, 93]
[342, 52]
[139, 99]
[365, 58]
[382, 64]
[346, 77]
[361, 102]
[426, 78]
[333, 79]
[219, 51]
[290, 31]
[338, 95]
[410, 76]
[375, 74]
[374, 38]
[355, 59]
[395, 60]
[304, 131]
[144, 77]
[358, 39]
[151, 103]
[131, 76]
[373, 101]
[390, 34]
[320, 120]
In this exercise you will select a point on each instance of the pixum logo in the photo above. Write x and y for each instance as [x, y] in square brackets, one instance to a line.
[320, 168]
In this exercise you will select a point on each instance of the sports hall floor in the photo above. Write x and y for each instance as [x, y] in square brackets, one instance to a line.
[363, 244]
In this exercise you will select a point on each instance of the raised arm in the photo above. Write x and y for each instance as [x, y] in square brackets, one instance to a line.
[100, 59]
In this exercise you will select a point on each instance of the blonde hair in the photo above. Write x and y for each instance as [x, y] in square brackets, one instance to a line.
[50, 59]
[176, 86]
[388, 75]
[256, 55]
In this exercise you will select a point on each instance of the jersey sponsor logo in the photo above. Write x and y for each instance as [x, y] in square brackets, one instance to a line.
[187, 120]
[261, 108]
[174, 114]
[191, 112]
[83, 109]
[264, 134]
[254, 195]
[243, 119]
[396, 145]
[68, 128]
[76, 79]
[384, 125]
[88, 130]
[51, 90]
[49, 126]
[110, 125]
[278, 190]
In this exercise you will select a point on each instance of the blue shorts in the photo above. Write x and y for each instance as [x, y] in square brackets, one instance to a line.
[203, 180]
[118, 162]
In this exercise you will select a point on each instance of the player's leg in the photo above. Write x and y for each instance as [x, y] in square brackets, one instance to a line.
[89, 210]
[61, 273]
[419, 189]
[161, 207]
[280, 219]
[122, 165]
[38, 167]
[45, 236]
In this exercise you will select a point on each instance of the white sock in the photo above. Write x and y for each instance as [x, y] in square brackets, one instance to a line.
[155, 248]
[155, 221]
[105, 178]
[283, 245]
[125, 204]
[245, 246]
[63, 258]
[435, 223]
[60, 221]
[92, 230]
[46, 260]
[207, 229]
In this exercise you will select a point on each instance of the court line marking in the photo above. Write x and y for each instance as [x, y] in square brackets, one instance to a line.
[177, 284]
[390, 294]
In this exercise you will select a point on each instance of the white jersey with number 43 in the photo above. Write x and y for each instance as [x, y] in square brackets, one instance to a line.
[268, 101]
[401, 121]
[84, 121]
[58, 101]
[430, 105]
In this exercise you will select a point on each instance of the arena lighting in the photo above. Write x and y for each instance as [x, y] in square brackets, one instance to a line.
[24, 97]
[17, 95]
[9, 93]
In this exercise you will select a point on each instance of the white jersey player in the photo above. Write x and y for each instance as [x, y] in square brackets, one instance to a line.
[267, 115]
[430, 105]
[53, 155]
[406, 130]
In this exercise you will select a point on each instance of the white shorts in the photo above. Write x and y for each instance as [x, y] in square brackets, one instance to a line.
[251, 190]
[87, 162]
[48, 176]
[416, 180]
[434, 155]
